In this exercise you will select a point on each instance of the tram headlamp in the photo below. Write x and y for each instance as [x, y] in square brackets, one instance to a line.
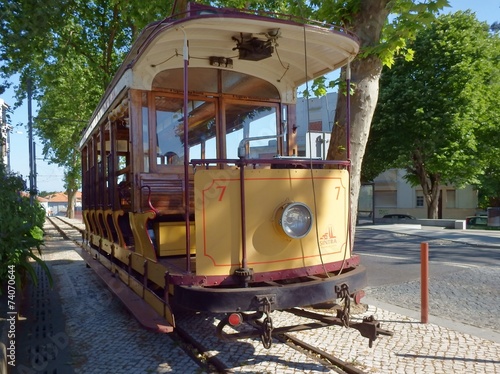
[295, 219]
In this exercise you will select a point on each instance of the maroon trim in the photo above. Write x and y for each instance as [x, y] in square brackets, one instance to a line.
[300, 292]
[271, 161]
[272, 276]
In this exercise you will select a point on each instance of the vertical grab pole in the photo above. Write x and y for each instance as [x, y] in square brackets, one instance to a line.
[424, 282]
[243, 219]
[348, 147]
[244, 273]
[185, 53]
[348, 111]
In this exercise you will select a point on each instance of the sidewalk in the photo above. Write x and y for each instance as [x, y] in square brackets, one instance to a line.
[484, 238]
[444, 289]
[102, 338]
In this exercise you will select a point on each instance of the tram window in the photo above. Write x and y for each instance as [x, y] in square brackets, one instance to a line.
[255, 123]
[236, 83]
[207, 148]
[122, 162]
[200, 80]
[170, 130]
[145, 136]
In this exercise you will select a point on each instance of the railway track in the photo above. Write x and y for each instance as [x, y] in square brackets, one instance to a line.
[328, 360]
[200, 347]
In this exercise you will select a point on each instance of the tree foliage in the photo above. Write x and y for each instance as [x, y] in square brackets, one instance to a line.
[45, 41]
[489, 180]
[21, 231]
[436, 110]
[384, 27]
[69, 50]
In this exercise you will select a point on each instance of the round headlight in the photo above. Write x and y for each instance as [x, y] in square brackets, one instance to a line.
[295, 219]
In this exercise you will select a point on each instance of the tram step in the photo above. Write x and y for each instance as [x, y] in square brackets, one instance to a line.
[142, 311]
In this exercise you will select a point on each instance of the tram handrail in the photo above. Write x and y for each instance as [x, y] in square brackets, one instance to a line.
[242, 149]
[305, 161]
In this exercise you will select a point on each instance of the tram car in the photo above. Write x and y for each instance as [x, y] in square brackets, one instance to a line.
[196, 191]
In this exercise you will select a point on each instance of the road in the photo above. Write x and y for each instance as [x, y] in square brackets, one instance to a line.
[464, 271]
[381, 249]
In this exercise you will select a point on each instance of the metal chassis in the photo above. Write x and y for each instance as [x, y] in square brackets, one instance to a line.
[309, 291]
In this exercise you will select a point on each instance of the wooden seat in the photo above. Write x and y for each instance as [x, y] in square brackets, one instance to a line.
[165, 192]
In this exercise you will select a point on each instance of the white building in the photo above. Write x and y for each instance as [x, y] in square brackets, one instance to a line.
[313, 131]
[390, 193]
[4, 134]
[393, 194]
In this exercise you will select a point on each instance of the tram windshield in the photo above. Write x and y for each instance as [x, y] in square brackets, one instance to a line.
[226, 110]
[170, 129]
[255, 125]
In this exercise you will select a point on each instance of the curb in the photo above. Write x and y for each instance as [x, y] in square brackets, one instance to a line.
[3, 358]
[449, 324]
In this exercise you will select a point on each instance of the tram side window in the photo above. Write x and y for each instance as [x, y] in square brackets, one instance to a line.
[145, 132]
[257, 124]
[170, 130]
[202, 129]
[169, 148]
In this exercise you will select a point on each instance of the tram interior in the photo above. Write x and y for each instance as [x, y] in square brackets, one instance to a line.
[226, 109]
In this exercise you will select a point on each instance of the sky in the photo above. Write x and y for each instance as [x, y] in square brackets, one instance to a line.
[50, 176]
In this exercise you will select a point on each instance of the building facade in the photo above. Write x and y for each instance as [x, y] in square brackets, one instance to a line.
[4, 135]
[393, 194]
[314, 129]
[389, 192]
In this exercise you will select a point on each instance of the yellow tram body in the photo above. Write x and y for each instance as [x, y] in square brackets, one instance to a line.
[218, 233]
[193, 192]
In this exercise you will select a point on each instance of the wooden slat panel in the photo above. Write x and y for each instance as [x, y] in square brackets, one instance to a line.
[167, 192]
[138, 263]
[156, 273]
[122, 254]
[144, 313]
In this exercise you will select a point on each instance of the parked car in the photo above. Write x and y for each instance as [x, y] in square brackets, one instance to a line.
[398, 216]
[476, 222]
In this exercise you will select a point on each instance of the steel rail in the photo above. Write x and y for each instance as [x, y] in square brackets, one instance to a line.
[324, 358]
[193, 348]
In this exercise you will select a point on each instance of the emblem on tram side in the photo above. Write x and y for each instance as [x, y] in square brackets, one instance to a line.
[328, 239]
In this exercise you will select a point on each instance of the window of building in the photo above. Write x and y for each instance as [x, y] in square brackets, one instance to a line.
[450, 199]
[420, 201]
[386, 199]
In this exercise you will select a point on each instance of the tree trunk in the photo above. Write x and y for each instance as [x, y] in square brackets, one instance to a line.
[428, 182]
[70, 212]
[431, 194]
[365, 76]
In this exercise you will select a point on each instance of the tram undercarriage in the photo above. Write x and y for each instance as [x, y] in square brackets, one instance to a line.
[251, 305]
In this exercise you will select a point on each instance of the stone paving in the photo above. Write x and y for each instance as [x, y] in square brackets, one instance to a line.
[414, 348]
[104, 338]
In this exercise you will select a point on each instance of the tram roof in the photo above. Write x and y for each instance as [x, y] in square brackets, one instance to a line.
[274, 49]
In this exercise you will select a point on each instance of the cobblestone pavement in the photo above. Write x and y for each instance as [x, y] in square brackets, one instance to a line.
[414, 348]
[103, 338]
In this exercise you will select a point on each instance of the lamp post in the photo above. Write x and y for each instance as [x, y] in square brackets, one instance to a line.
[31, 147]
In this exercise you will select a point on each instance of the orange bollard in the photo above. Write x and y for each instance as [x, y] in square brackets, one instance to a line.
[424, 282]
